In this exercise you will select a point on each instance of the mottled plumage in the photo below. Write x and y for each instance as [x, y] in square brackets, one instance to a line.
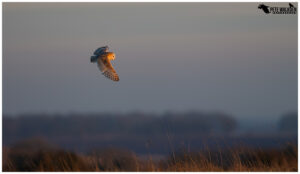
[103, 58]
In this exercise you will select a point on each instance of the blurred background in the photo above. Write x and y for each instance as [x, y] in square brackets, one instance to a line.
[192, 75]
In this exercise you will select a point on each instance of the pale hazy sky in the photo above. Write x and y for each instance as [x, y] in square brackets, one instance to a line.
[228, 57]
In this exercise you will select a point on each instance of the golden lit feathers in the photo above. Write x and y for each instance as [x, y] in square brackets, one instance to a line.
[106, 67]
[103, 58]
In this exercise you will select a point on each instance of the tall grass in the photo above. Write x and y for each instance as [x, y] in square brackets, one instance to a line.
[231, 159]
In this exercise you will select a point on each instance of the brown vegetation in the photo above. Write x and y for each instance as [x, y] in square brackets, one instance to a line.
[23, 157]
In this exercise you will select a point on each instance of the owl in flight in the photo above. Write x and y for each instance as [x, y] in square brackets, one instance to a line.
[103, 58]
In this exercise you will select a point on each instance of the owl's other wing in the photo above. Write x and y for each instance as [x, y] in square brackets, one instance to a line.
[107, 69]
[101, 50]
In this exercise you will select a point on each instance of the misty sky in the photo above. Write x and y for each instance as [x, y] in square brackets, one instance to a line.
[228, 57]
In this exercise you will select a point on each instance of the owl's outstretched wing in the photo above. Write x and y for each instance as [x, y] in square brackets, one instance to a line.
[107, 69]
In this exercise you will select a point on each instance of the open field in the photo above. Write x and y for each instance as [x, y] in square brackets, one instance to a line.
[138, 142]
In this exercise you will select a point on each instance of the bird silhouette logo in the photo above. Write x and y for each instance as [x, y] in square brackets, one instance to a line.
[278, 10]
[291, 5]
[264, 8]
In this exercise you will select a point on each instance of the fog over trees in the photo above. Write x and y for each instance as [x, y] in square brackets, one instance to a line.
[289, 122]
[138, 131]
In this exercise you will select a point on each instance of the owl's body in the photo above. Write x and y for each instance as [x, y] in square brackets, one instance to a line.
[103, 58]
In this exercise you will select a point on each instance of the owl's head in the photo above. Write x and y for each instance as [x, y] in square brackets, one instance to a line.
[111, 56]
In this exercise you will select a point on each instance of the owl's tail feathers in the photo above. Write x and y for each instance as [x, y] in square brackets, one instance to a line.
[94, 58]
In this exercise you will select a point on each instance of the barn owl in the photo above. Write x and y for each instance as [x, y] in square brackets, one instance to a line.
[103, 58]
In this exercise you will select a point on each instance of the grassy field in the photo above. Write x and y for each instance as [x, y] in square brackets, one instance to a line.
[229, 159]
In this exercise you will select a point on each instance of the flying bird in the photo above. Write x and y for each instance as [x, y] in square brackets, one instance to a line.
[291, 5]
[103, 58]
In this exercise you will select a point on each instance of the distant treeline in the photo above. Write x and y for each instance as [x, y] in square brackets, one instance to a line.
[289, 122]
[133, 130]
[133, 123]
